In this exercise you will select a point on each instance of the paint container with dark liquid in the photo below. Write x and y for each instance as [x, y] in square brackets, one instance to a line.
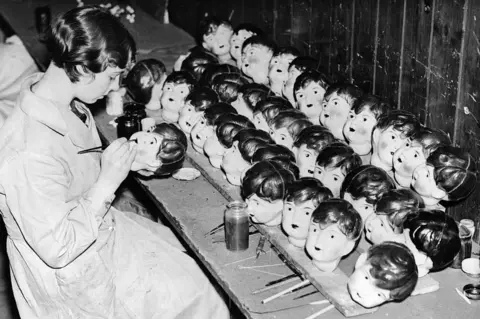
[465, 246]
[127, 125]
[237, 226]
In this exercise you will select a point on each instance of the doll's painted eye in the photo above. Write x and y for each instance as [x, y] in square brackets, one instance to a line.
[290, 209]
[335, 179]
[202, 122]
[352, 116]
[393, 137]
[282, 138]
[364, 119]
[181, 92]
[307, 155]
[300, 96]
[366, 207]
[335, 103]
[314, 230]
[307, 213]
[324, 104]
[381, 224]
[332, 236]
[415, 155]
[271, 133]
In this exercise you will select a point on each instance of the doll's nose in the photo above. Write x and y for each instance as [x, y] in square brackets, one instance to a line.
[222, 46]
[326, 115]
[279, 71]
[310, 171]
[237, 47]
[294, 226]
[309, 105]
[170, 99]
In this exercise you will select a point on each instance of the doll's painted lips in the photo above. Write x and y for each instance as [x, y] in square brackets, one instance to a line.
[197, 137]
[317, 248]
[351, 129]
[399, 160]
[310, 172]
[294, 226]
[326, 115]
[309, 105]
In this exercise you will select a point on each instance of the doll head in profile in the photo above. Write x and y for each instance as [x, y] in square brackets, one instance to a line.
[303, 196]
[386, 272]
[361, 120]
[197, 61]
[309, 90]
[214, 34]
[247, 98]
[364, 186]
[278, 69]
[334, 229]
[308, 145]
[144, 82]
[257, 51]
[264, 188]
[241, 33]
[393, 130]
[450, 174]
[214, 70]
[204, 128]
[337, 104]
[176, 88]
[333, 164]
[227, 86]
[297, 66]
[286, 126]
[199, 99]
[274, 105]
[409, 157]
[160, 152]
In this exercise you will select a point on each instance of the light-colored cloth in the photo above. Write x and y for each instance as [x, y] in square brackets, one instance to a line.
[15, 64]
[73, 259]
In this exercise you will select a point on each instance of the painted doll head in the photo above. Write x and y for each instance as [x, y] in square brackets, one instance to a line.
[386, 272]
[198, 60]
[203, 129]
[361, 120]
[199, 99]
[241, 33]
[410, 156]
[286, 127]
[176, 88]
[247, 98]
[213, 70]
[309, 90]
[337, 105]
[364, 186]
[257, 51]
[303, 196]
[273, 151]
[450, 174]
[393, 130]
[228, 85]
[267, 109]
[264, 189]
[144, 82]
[334, 230]
[214, 34]
[334, 163]
[308, 145]
[297, 66]
[278, 69]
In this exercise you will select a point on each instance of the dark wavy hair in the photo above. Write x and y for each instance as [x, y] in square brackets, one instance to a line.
[253, 93]
[172, 149]
[400, 120]
[212, 113]
[373, 103]
[349, 92]
[303, 63]
[202, 98]
[228, 85]
[273, 151]
[278, 102]
[228, 125]
[248, 27]
[294, 122]
[141, 79]
[305, 189]
[315, 137]
[198, 60]
[338, 154]
[213, 70]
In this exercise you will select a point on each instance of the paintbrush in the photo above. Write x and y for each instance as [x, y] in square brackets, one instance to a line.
[99, 148]
[306, 295]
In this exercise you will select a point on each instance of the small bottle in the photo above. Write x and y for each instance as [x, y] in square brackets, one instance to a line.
[237, 226]
[127, 125]
[465, 246]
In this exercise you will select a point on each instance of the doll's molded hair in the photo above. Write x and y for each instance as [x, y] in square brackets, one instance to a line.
[305, 189]
[339, 154]
[247, 133]
[182, 77]
[430, 139]
[202, 98]
[260, 40]
[228, 85]
[248, 27]
[339, 211]
[374, 103]
[454, 171]
[435, 234]
[294, 122]
[213, 70]
[393, 268]
[228, 125]
[172, 149]
[304, 62]
[249, 146]
[209, 25]
[349, 92]
[273, 151]
[287, 164]
[286, 50]
[400, 120]
[308, 77]
[277, 102]
[315, 137]
[142, 78]
[252, 93]
[198, 60]
[212, 113]
[367, 181]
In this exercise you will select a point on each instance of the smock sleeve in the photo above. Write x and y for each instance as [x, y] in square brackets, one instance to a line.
[57, 229]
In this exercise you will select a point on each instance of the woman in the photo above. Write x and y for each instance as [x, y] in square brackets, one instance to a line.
[71, 254]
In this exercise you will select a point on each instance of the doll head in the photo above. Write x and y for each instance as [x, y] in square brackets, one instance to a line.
[286, 127]
[450, 174]
[203, 129]
[309, 90]
[274, 105]
[278, 69]
[391, 211]
[410, 156]
[227, 86]
[308, 144]
[272, 151]
[213, 70]
[263, 189]
[334, 230]
[361, 120]
[198, 60]
[297, 66]
[214, 34]
[144, 82]
[176, 88]
[199, 99]
[364, 186]
[241, 33]
[393, 130]
[337, 104]
[386, 272]
[257, 51]
[303, 196]
[333, 164]
[248, 97]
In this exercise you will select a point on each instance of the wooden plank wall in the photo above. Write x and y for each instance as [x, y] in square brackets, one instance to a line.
[423, 56]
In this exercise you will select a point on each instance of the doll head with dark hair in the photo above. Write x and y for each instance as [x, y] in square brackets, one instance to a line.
[334, 229]
[415, 153]
[361, 120]
[309, 90]
[176, 88]
[214, 70]
[214, 35]
[393, 130]
[247, 98]
[298, 65]
[196, 102]
[267, 109]
[286, 127]
[308, 144]
[198, 60]
[264, 188]
[338, 102]
[257, 51]
[278, 69]
[364, 186]
[241, 33]
[227, 86]
[386, 272]
[273, 151]
[450, 174]
[303, 196]
[334, 163]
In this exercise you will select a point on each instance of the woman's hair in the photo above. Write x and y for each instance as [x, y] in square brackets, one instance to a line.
[349, 92]
[273, 151]
[294, 122]
[373, 103]
[213, 70]
[277, 102]
[339, 154]
[141, 79]
[315, 137]
[253, 93]
[209, 25]
[308, 77]
[227, 86]
[367, 181]
[400, 120]
[212, 113]
[228, 125]
[305, 189]
[172, 149]
[435, 234]
[393, 268]
[92, 39]
[198, 60]
[202, 98]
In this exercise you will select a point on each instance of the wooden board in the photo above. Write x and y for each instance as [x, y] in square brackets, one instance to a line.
[320, 32]
[301, 21]
[283, 24]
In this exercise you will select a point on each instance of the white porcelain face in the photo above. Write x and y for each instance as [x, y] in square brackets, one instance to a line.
[363, 290]
[423, 182]
[213, 148]
[282, 137]
[406, 159]
[148, 145]
[378, 229]
[255, 62]
[386, 143]
[236, 42]
[326, 245]
[200, 132]
[309, 101]
[296, 219]
[233, 164]
[305, 158]
[361, 206]
[188, 117]
[287, 91]
[334, 114]
[358, 127]
[331, 178]
[242, 108]
[173, 97]
[278, 71]
[262, 211]
[260, 122]
[218, 42]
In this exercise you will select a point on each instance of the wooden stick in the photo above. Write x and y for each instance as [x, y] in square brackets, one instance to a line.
[321, 312]
[279, 284]
[463, 296]
[303, 283]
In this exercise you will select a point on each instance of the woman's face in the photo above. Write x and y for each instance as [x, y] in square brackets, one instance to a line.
[94, 87]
